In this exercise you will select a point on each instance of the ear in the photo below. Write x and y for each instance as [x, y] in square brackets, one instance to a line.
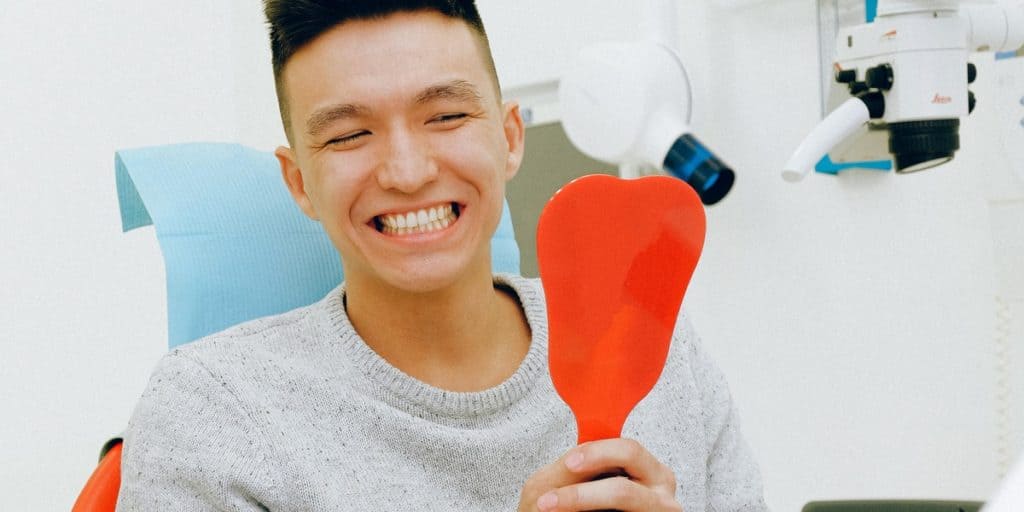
[515, 135]
[292, 175]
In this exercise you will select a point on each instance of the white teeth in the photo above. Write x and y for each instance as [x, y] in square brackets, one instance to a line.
[420, 221]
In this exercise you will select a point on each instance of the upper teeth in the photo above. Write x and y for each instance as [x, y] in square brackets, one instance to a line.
[428, 219]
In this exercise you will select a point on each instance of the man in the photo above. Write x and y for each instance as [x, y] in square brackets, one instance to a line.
[421, 382]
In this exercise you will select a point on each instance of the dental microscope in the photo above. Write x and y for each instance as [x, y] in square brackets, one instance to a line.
[907, 76]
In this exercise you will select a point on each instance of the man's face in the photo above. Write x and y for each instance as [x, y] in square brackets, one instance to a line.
[401, 149]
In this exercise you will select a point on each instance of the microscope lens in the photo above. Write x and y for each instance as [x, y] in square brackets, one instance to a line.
[692, 162]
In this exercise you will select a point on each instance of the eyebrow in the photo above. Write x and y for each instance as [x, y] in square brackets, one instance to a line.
[322, 118]
[455, 90]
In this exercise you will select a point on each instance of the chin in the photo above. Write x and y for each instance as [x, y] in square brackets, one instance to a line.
[427, 278]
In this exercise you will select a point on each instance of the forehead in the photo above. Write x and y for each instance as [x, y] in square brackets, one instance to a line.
[386, 58]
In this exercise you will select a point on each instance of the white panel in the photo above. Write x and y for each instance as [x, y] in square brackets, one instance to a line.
[1009, 382]
[532, 40]
[82, 314]
[1008, 242]
[833, 14]
[257, 118]
[1007, 86]
[1015, 445]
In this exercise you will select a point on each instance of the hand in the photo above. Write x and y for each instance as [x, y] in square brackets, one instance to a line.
[568, 484]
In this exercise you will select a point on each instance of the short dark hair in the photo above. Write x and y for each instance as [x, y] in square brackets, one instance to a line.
[296, 23]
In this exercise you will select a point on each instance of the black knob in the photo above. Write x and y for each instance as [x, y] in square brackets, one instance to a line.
[875, 101]
[879, 77]
[971, 102]
[846, 76]
[972, 72]
[858, 87]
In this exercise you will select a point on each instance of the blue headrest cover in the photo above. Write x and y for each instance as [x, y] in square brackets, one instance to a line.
[235, 245]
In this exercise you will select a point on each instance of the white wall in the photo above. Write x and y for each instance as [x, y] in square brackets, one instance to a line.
[82, 312]
[854, 315]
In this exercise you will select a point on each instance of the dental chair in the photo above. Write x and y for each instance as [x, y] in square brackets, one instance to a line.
[235, 248]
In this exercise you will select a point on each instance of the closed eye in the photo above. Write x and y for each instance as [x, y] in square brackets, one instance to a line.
[346, 139]
[447, 118]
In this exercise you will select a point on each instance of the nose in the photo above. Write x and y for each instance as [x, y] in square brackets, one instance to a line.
[407, 164]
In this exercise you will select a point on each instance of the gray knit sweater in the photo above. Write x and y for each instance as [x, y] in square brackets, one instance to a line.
[295, 412]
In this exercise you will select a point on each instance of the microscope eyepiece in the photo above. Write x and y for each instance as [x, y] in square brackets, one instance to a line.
[692, 162]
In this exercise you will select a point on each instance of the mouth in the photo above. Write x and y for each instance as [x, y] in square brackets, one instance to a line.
[424, 220]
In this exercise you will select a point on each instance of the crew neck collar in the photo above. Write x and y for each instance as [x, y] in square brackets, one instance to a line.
[421, 399]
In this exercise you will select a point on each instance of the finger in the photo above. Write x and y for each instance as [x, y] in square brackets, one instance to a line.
[617, 493]
[552, 476]
[610, 454]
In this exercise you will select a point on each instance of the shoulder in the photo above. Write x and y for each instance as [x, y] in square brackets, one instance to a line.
[689, 355]
[226, 373]
[251, 363]
[688, 348]
[265, 336]
[191, 438]
[689, 373]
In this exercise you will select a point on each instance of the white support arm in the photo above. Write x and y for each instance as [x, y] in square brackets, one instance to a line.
[840, 124]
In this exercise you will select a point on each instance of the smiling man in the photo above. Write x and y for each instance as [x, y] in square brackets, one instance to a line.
[401, 148]
[421, 382]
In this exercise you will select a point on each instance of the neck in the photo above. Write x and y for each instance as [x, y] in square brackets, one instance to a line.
[466, 337]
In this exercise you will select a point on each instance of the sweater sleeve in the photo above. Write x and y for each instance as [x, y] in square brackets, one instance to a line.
[734, 480]
[191, 446]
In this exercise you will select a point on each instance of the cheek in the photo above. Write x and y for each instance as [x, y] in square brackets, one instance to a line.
[341, 180]
[481, 163]
[479, 156]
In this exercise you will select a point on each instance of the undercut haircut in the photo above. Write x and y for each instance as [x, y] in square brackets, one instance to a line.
[295, 23]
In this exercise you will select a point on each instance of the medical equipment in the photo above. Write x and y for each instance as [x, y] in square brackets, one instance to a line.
[605, 355]
[892, 506]
[628, 103]
[908, 75]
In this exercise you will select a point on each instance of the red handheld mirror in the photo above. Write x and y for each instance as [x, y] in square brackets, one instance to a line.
[615, 259]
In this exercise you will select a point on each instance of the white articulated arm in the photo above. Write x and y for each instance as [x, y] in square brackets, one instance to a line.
[839, 125]
[997, 27]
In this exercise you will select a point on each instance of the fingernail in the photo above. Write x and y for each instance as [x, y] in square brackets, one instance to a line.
[547, 501]
[574, 461]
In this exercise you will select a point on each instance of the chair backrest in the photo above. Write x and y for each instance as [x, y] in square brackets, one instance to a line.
[235, 245]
